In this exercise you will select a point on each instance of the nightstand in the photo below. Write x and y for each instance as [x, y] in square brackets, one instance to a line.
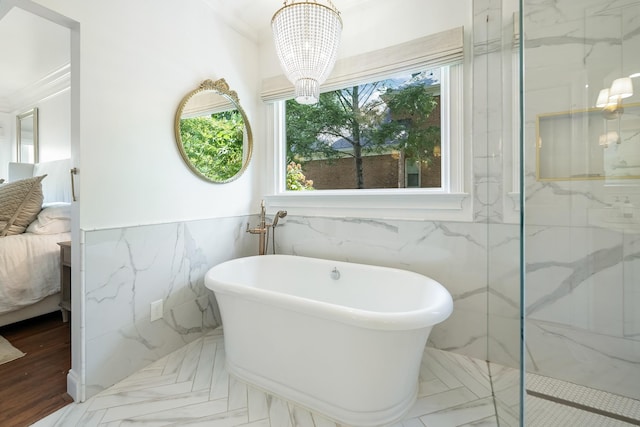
[65, 279]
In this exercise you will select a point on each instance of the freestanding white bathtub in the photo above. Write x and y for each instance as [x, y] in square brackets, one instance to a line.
[343, 339]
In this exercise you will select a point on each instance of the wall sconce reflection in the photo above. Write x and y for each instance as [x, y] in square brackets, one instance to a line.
[610, 99]
[608, 138]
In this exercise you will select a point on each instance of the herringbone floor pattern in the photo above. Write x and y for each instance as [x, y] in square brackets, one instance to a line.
[192, 387]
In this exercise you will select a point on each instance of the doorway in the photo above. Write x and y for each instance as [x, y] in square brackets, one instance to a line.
[46, 53]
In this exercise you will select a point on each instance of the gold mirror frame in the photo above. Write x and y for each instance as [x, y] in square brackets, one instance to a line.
[573, 145]
[219, 87]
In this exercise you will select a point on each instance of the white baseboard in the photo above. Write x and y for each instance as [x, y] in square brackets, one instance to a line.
[74, 388]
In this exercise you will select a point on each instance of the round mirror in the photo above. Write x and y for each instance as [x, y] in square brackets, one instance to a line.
[213, 133]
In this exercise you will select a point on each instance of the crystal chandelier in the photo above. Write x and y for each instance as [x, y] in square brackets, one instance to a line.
[307, 35]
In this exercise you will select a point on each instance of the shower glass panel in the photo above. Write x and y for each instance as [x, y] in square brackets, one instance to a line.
[581, 172]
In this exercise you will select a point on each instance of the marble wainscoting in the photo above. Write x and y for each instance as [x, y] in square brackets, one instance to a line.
[453, 253]
[126, 269]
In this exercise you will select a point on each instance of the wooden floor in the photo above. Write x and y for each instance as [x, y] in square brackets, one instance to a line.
[35, 385]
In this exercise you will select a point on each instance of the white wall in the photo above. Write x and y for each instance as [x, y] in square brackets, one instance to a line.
[137, 61]
[54, 127]
[6, 136]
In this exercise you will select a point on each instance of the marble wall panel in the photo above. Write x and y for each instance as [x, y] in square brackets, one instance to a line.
[577, 281]
[631, 290]
[598, 361]
[493, 177]
[127, 269]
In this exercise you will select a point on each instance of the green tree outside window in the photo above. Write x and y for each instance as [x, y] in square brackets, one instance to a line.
[214, 144]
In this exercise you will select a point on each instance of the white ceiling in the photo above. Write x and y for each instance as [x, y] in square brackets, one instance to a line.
[253, 17]
[31, 47]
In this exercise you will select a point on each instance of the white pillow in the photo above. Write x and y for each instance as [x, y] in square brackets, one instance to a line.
[54, 218]
[57, 186]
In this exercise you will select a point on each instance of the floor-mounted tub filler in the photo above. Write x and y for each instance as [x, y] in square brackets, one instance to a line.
[342, 339]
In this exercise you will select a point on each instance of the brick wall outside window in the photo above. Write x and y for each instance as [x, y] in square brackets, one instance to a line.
[380, 171]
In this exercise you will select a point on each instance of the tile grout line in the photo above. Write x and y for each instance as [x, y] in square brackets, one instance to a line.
[493, 394]
[584, 407]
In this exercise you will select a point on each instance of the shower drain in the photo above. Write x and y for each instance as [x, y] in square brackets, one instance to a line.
[584, 398]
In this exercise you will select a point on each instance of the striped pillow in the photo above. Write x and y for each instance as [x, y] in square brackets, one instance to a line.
[20, 203]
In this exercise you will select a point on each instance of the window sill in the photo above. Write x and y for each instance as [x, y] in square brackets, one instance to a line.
[378, 204]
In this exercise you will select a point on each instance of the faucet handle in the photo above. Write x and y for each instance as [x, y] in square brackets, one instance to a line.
[257, 230]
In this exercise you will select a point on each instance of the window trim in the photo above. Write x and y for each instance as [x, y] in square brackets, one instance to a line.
[450, 202]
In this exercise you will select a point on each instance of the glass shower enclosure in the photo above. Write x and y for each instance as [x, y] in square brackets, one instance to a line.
[580, 187]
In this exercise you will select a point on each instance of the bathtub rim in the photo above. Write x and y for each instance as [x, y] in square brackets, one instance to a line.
[425, 317]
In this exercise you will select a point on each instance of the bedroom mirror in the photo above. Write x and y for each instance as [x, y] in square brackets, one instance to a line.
[213, 133]
[27, 136]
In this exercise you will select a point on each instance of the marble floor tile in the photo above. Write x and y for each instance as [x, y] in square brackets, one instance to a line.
[469, 412]
[191, 387]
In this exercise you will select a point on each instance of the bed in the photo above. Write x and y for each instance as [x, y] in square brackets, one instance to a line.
[29, 237]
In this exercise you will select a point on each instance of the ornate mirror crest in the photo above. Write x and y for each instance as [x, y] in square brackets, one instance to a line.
[213, 133]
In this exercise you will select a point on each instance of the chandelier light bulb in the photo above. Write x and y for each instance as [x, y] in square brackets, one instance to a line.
[307, 36]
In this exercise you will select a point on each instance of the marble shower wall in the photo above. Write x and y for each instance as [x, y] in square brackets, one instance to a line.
[582, 254]
[496, 192]
[495, 169]
[133, 266]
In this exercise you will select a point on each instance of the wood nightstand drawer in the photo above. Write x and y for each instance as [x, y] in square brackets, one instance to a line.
[65, 253]
[65, 279]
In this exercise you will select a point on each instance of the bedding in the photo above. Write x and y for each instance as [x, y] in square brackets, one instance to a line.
[30, 255]
[30, 261]
[54, 218]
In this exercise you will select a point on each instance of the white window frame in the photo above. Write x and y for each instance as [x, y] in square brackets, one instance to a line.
[450, 202]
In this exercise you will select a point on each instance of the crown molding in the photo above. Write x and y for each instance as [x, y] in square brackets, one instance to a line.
[53, 83]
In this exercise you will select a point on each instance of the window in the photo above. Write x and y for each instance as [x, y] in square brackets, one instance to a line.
[392, 164]
[382, 134]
